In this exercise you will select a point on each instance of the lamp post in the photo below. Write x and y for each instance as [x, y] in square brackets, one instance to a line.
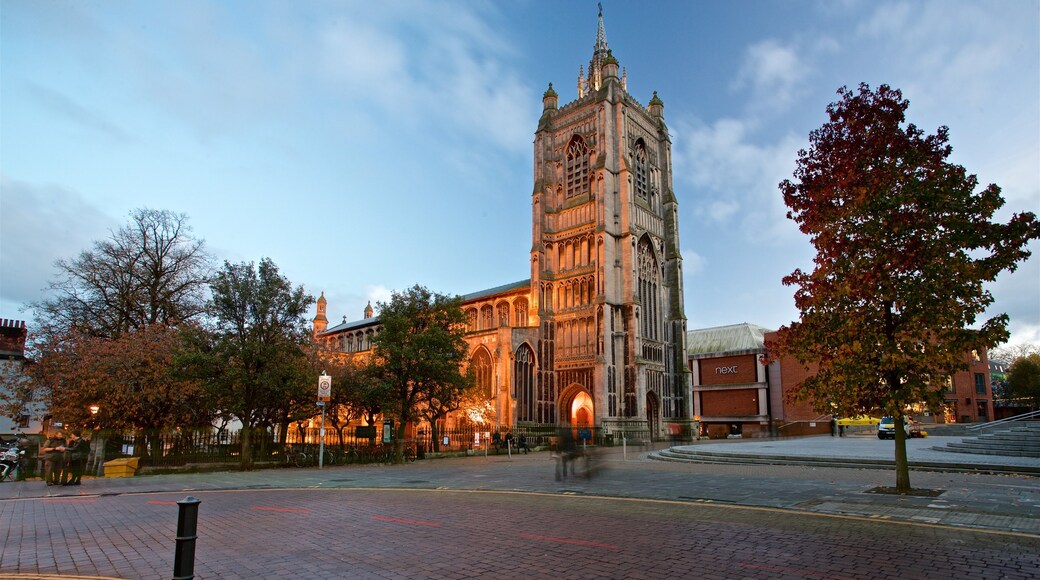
[324, 394]
[99, 444]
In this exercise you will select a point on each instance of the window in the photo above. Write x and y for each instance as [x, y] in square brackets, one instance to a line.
[487, 317]
[503, 314]
[980, 384]
[523, 383]
[481, 365]
[521, 312]
[649, 283]
[577, 168]
[642, 171]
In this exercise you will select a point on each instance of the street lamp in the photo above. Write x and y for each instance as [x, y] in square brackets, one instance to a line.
[99, 443]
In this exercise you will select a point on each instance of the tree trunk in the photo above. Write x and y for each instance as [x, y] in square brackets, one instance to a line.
[902, 466]
[247, 448]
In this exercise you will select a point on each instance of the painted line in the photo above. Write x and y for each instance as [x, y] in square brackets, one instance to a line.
[157, 502]
[70, 500]
[263, 508]
[5, 576]
[569, 541]
[402, 521]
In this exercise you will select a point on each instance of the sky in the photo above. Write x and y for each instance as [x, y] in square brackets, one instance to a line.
[366, 147]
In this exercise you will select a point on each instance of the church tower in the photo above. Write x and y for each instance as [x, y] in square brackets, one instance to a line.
[606, 272]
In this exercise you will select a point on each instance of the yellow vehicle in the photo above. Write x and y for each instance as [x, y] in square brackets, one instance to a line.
[860, 421]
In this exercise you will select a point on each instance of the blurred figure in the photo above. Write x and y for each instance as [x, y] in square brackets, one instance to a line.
[53, 453]
[565, 452]
[76, 452]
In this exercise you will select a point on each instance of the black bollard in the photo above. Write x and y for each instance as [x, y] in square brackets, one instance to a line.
[184, 554]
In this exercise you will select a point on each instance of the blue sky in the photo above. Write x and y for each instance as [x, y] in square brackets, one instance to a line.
[366, 147]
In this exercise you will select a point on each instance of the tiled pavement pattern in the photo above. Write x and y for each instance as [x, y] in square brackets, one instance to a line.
[712, 521]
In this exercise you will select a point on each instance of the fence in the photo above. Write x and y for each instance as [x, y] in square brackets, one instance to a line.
[183, 447]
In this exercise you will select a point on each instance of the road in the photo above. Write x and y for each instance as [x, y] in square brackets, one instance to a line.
[502, 517]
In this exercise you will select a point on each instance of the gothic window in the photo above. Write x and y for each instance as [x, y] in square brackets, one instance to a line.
[642, 170]
[503, 313]
[481, 365]
[577, 169]
[649, 287]
[487, 317]
[523, 381]
[471, 316]
[521, 312]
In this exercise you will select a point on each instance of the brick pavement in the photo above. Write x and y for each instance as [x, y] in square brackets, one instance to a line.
[120, 533]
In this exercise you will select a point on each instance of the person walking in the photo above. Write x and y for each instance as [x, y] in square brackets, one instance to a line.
[75, 459]
[53, 453]
[523, 444]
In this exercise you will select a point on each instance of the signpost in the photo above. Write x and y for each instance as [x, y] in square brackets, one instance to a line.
[324, 394]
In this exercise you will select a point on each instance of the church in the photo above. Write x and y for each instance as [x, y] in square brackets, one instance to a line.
[596, 335]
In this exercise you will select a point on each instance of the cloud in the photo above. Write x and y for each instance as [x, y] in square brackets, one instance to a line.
[735, 177]
[40, 224]
[773, 73]
[63, 106]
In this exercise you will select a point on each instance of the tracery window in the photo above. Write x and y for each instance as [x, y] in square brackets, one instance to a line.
[649, 285]
[481, 365]
[523, 381]
[642, 170]
[521, 312]
[503, 314]
[577, 168]
[487, 317]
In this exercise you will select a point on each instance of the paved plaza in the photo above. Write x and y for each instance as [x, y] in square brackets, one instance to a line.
[470, 517]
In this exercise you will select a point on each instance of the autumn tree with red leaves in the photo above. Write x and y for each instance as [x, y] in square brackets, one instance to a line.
[904, 246]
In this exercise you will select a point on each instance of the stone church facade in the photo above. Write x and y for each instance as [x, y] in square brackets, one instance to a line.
[596, 336]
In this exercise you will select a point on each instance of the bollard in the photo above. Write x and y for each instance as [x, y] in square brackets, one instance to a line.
[184, 554]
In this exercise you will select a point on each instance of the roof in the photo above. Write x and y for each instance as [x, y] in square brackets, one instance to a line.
[365, 322]
[726, 339]
[497, 290]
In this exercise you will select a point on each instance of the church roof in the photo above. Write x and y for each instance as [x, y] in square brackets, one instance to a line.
[497, 290]
[726, 339]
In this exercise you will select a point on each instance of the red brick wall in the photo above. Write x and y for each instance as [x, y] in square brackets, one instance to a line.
[737, 402]
[728, 370]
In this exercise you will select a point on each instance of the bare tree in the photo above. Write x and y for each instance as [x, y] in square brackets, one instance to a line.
[149, 271]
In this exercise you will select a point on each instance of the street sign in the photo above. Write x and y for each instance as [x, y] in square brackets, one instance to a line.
[324, 388]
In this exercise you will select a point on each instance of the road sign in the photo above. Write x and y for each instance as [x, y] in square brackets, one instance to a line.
[324, 387]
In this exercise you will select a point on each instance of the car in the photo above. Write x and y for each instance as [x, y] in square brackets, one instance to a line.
[887, 428]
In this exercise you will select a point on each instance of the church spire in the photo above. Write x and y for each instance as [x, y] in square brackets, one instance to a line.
[600, 55]
[601, 36]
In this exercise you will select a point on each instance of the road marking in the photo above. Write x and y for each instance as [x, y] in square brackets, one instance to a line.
[569, 541]
[70, 500]
[264, 508]
[403, 521]
[157, 502]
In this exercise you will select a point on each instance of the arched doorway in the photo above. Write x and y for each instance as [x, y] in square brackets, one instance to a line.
[577, 407]
[653, 415]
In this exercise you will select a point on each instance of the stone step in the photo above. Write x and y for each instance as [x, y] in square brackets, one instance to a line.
[708, 457]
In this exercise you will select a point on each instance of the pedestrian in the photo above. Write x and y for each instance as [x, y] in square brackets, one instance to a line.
[76, 458]
[53, 453]
[566, 450]
[834, 426]
[841, 430]
[496, 441]
[523, 444]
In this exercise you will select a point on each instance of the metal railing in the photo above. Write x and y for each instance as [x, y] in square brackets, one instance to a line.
[1023, 417]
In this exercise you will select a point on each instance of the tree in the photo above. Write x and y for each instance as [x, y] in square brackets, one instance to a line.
[254, 357]
[150, 271]
[419, 351]
[130, 382]
[357, 391]
[904, 245]
[1023, 380]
